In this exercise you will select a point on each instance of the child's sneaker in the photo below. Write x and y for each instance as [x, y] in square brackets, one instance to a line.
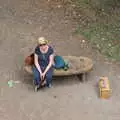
[49, 85]
[36, 88]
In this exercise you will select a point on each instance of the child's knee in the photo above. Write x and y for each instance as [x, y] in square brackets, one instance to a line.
[48, 77]
[36, 77]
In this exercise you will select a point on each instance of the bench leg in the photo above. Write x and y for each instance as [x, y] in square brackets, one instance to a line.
[84, 77]
[79, 76]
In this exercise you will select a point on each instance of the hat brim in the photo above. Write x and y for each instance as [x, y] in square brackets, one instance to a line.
[42, 42]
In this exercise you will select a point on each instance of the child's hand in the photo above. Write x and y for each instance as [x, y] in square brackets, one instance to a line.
[42, 76]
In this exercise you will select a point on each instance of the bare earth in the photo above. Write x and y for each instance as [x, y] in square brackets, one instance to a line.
[21, 22]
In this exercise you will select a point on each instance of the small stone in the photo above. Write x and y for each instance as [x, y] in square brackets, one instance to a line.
[89, 98]
[55, 96]
[118, 76]
[59, 6]
[16, 81]
[73, 5]
[83, 41]
[109, 45]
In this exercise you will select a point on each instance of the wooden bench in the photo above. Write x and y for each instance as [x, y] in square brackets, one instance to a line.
[77, 66]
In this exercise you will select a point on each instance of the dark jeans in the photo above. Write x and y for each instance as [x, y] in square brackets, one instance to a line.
[36, 76]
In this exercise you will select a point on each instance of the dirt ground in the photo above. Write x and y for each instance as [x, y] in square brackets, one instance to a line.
[21, 22]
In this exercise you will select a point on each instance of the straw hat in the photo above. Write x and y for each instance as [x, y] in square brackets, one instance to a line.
[42, 40]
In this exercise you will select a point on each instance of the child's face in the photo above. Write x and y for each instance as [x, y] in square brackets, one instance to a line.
[43, 47]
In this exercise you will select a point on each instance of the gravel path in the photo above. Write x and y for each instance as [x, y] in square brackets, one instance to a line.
[21, 22]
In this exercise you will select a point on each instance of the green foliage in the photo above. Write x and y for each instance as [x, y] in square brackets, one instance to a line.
[99, 22]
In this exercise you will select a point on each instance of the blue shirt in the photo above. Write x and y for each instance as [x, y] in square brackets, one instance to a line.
[43, 58]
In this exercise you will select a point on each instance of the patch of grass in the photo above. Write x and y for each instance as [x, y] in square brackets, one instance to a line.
[99, 22]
